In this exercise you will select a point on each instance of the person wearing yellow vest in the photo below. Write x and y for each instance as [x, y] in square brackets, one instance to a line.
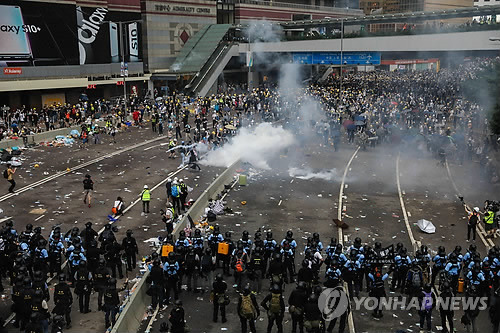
[146, 198]
[489, 223]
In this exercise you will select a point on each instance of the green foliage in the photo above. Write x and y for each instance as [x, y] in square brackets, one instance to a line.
[485, 90]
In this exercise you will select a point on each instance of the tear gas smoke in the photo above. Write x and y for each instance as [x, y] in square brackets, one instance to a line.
[308, 173]
[256, 146]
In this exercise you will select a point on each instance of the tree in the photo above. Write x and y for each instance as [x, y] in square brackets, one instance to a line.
[484, 90]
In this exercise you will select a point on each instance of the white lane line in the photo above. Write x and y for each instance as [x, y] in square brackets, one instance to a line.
[403, 208]
[74, 168]
[481, 232]
[350, 319]
[160, 145]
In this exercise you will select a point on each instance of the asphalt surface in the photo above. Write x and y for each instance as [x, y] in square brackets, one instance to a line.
[278, 202]
[60, 201]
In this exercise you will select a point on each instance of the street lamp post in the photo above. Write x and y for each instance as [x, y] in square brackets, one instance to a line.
[341, 60]
[123, 69]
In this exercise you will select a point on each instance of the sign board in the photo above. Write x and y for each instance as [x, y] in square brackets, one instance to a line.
[335, 58]
[13, 71]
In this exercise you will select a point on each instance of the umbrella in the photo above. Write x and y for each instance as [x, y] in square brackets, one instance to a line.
[426, 226]
[231, 127]
[347, 123]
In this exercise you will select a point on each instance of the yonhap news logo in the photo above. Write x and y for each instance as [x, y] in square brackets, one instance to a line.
[333, 303]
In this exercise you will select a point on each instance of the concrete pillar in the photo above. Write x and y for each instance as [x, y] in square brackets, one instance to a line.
[151, 88]
[253, 80]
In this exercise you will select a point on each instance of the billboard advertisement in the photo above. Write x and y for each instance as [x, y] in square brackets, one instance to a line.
[47, 34]
[37, 34]
[103, 35]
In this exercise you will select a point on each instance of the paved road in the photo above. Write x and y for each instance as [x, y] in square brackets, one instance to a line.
[371, 203]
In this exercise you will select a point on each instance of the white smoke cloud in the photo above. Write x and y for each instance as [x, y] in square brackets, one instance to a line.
[308, 173]
[257, 146]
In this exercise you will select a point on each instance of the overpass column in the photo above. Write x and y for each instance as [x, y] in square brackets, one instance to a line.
[253, 79]
[150, 92]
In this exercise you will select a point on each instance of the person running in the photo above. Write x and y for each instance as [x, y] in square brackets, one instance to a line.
[88, 187]
[9, 173]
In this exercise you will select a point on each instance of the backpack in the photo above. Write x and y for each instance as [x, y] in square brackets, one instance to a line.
[416, 281]
[175, 191]
[275, 306]
[5, 174]
[239, 265]
[247, 308]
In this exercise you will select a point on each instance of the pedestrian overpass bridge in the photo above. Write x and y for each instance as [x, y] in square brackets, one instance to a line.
[439, 42]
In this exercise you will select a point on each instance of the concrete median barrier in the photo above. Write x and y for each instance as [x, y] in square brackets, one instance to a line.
[135, 306]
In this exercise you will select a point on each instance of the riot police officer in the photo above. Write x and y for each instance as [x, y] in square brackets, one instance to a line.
[269, 248]
[171, 268]
[63, 300]
[88, 235]
[83, 286]
[113, 258]
[129, 245]
[296, 302]
[246, 241]
[197, 241]
[218, 297]
[56, 249]
[27, 298]
[40, 284]
[112, 302]
[40, 307]
[101, 277]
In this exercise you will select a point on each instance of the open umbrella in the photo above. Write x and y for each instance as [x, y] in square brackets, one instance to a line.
[426, 226]
[347, 123]
[231, 127]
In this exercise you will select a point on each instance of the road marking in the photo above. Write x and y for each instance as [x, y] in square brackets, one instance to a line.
[39, 217]
[403, 208]
[74, 168]
[350, 319]
[481, 232]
